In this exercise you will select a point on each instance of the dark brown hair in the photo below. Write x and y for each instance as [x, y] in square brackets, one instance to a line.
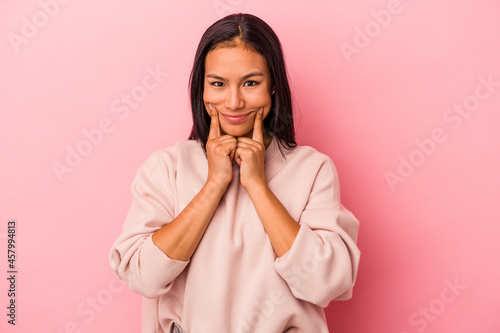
[257, 35]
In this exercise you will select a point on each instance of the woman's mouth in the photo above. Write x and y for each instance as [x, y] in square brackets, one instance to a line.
[236, 119]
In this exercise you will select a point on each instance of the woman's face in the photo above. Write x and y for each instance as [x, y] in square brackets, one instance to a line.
[237, 83]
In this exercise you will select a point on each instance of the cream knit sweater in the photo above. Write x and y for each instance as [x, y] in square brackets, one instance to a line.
[234, 282]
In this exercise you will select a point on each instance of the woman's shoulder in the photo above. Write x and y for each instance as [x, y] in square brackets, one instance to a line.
[170, 155]
[309, 153]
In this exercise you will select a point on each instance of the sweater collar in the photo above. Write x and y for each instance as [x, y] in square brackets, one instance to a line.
[271, 149]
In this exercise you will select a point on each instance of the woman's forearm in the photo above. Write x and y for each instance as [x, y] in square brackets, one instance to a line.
[179, 238]
[281, 228]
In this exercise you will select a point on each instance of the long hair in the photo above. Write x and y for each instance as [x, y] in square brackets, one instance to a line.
[258, 35]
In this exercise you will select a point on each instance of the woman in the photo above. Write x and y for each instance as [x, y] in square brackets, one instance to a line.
[227, 231]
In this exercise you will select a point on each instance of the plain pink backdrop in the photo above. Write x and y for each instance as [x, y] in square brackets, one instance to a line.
[377, 85]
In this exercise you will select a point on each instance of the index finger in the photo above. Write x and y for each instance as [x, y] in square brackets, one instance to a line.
[214, 123]
[257, 127]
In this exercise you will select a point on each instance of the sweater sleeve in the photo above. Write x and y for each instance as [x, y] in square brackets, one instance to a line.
[145, 268]
[322, 263]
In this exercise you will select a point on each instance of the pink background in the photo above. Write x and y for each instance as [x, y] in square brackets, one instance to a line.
[374, 86]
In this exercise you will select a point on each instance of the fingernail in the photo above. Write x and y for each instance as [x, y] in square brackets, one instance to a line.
[261, 110]
[210, 106]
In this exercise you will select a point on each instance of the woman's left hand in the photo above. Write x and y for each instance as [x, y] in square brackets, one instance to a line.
[250, 155]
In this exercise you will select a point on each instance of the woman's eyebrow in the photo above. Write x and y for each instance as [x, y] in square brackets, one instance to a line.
[215, 76]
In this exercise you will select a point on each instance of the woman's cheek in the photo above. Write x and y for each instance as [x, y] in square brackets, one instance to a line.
[257, 102]
[211, 97]
[259, 99]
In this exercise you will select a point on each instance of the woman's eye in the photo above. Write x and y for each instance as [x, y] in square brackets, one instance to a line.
[251, 83]
[217, 84]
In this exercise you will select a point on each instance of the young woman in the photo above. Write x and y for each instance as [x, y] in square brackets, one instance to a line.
[238, 228]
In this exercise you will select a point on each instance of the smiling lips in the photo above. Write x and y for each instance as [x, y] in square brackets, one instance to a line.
[236, 119]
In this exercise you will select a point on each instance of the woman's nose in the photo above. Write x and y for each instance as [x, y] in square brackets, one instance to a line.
[234, 99]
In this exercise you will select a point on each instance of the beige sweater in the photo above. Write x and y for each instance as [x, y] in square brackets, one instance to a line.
[234, 282]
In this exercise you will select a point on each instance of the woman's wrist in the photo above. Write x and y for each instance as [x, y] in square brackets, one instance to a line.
[214, 186]
[257, 189]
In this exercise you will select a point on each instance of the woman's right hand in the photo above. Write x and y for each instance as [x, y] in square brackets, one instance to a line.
[220, 152]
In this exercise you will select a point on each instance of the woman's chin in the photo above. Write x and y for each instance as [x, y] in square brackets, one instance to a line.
[235, 132]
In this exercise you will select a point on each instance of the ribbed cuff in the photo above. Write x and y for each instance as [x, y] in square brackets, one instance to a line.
[155, 270]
